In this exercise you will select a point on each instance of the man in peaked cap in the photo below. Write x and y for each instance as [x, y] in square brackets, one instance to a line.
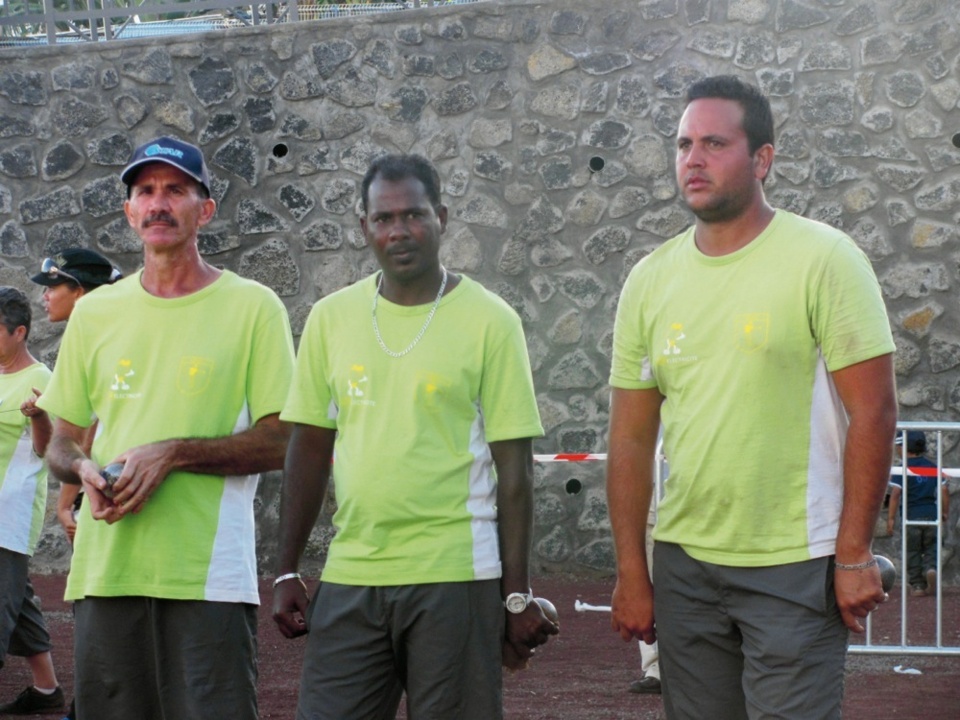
[164, 567]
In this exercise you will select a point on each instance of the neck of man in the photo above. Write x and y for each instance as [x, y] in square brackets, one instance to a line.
[176, 274]
[723, 237]
[16, 362]
[420, 291]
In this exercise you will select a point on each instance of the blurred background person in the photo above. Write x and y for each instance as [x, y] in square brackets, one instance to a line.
[921, 505]
[66, 277]
[25, 432]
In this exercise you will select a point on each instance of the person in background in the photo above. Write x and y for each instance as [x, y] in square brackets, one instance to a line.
[921, 505]
[66, 277]
[25, 432]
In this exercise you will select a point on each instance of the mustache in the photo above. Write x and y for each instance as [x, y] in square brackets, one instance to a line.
[159, 216]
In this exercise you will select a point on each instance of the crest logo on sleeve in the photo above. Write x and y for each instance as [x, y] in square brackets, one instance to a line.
[752, 331]
[194, 374]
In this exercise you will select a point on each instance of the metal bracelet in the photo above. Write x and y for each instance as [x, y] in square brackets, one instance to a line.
[288, 576]
[859, 566]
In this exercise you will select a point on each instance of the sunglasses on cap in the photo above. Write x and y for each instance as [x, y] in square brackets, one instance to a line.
[50, 267]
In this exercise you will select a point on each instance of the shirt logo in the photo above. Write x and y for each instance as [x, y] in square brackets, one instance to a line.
[357, 386]
[752, 331]
[160, 150]
[123, 372]
[672, 349]
[194, 374]
[673, 339]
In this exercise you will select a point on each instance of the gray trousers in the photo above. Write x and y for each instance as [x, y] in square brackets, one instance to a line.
[152, 659]
[441, 643]
[748, 643]
[22, 629]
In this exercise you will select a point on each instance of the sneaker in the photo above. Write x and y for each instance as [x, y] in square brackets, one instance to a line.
[931, 576]
[646, 686]
[917, 590]
[33, 702]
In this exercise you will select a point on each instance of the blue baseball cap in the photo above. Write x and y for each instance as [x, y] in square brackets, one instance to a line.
[916, 441]
[181, 155]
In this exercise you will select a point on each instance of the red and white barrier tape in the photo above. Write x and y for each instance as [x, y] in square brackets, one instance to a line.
[896, 470]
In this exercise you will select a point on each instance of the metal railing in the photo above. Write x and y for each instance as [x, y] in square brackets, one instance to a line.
[905, 648]
[868, 646]
[47, 22]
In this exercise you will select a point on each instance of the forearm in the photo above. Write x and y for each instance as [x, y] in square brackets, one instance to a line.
[305, 478]
[41, 432]
[863, 489]
[257, 449]
[66, 498]
[634, 426]
[64, 453]
[870, 400]
[629, 493]
[514, 464]
[892, 508]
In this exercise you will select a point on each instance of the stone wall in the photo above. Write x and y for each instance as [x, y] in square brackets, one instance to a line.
[552, 125]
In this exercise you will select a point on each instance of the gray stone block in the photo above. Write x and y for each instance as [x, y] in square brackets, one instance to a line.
[323, 235]
[23, 88]
[355, 89]
[118, 237]
[238, 156]
[213, 81]
[65, 235]
[331, 54]
[112, 149]
[154, 67]
[18, 162]
[272, 265]
[296, 199]
[104, 196]
[73, 117]
[53, 205]
[255, 218]
[13, 240]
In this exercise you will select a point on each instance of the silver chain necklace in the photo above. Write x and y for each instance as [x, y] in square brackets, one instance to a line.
[426, 324]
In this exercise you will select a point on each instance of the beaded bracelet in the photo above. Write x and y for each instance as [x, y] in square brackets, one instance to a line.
[859, 566]
[288, 576]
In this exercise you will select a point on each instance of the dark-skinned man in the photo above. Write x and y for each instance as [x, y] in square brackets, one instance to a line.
[418, 381]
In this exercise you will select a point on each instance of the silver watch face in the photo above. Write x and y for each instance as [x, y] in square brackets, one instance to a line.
[516, 603]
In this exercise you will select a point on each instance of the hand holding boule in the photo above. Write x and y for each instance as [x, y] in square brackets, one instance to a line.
[111, 473]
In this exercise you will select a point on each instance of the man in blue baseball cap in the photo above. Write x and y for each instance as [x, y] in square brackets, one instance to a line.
[164, 571]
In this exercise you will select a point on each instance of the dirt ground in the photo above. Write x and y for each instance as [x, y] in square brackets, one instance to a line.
[583, 674]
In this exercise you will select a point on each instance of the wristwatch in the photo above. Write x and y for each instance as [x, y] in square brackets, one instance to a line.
[516, 602]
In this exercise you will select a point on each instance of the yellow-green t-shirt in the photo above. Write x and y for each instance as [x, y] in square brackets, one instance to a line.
[209, 364]
[741, 347]
[415, 482]
[23, 475]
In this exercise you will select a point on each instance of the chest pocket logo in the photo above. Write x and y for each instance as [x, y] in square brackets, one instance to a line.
[752, 331]
[194, 374]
